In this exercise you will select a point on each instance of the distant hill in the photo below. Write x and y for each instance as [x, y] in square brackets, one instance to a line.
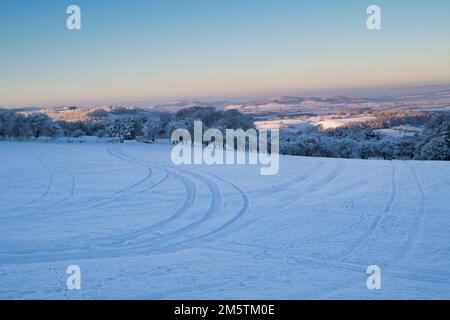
[275, 106]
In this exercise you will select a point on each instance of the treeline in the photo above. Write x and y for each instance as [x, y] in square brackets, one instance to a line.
[122, 123]
[391, 118]
[357, 140]
[362, 141]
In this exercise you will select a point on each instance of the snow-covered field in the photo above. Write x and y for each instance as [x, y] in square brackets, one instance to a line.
[295, 124]
[140, 227]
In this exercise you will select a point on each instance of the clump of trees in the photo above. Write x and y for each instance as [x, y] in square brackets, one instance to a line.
[119, 122]
[360, 140]
[434, 143]
[37, 125]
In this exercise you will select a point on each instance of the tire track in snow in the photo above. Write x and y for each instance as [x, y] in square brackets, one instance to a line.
[216, 191]
[285, 185]
[72, 187]
[313, 261]
[215, 204]
[46, 209]
[191, 195]
[124, 192]
[20, 217]
[328, 179]
[376, 221]
[47, 190]
[243, 210]
[214, 233]
[416, 231]
[96, 202]
[312, 186]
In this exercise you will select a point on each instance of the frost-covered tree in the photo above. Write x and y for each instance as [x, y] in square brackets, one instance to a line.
[77, 133]
[173, 125]
[354, 131]
[367, 149]
[7, 123]
[233, 119]
[212, 118]
[435, 142]
[347, 148]
[122, 128]
[151, 130]
[405, 148]
[387, 149]
[435, 149]
[43, 126]
[22, 127]
[208, 115]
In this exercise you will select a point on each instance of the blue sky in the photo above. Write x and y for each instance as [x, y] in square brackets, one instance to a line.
[142, 51]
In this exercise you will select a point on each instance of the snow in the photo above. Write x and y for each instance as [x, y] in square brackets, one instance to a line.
[140, 227]
[332, 122]
[301, 124]
[284, 124]
[428, 101]
[400, 131]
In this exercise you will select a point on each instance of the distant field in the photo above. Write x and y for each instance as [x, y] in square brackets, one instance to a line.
[327, 122]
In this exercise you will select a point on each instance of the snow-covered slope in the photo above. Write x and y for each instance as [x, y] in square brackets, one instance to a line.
[140, 227]
[302, 105]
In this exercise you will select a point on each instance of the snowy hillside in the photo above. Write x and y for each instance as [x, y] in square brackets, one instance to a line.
[140, 227]
[429, 101]
[282, 106]
[304, 105]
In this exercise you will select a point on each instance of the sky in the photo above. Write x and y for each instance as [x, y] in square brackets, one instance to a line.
[137, 52]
